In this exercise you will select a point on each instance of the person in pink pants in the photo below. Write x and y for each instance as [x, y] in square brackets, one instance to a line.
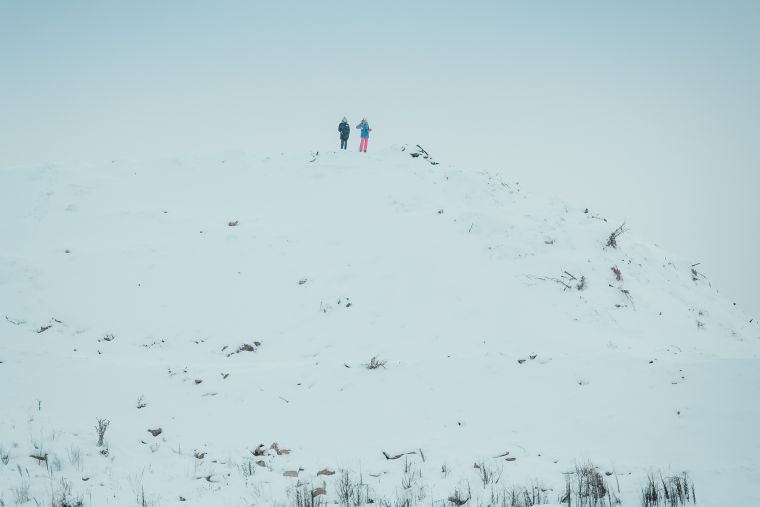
[365, 130]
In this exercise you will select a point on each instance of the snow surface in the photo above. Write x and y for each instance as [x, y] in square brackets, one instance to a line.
[337, 258]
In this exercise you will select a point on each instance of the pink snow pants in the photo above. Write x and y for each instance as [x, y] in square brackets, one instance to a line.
[363, 144]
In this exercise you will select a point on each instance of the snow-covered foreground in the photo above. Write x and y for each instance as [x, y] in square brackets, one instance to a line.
[127, 295]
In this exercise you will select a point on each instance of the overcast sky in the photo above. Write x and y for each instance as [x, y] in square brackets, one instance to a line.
[643, 110]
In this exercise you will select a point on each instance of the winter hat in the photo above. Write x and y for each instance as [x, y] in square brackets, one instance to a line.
[344, 119]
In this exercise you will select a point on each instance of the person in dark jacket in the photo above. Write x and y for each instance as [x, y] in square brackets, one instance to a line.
[344, 130]
[365, 130]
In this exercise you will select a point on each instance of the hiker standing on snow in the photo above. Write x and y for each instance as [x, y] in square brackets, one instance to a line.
[364, 126]
[344, 130]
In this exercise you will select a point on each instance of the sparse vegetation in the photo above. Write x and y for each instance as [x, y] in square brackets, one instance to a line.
[306, 497]
[411, 475]
[459, 497]
[668, 491]
[75, 457]
[248, 468]
[488, 474]
[101, 428]
[352, 493]
[375, 363]
[696, 275]
[586, 487]
[56, 465]
[614, 235]
[65, 498]
[21, 493]
[520, 496]
[245, 347]
[566, 280]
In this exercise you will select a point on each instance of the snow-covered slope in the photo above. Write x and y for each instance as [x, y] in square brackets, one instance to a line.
[127, 284]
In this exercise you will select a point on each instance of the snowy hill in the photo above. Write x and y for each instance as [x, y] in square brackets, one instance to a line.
[238, 303]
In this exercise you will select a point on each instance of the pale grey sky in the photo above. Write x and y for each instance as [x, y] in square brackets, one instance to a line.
[644, 110]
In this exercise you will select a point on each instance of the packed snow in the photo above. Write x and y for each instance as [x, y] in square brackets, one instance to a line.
[302, 324]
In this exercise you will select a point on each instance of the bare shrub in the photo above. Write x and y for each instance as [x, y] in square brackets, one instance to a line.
[696, 275]
[614, 235]
[4, 456]
[375, 363]
[617, 272]
[101, 428]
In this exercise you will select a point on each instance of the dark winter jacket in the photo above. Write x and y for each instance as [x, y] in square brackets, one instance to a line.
[344, 130]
